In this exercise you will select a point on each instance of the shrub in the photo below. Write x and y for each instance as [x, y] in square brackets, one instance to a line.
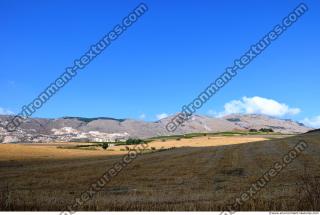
[253, 130]
[234, 120]
[163, 140]
[105, 146]
[132, 141]
[178, 139]
[266, 130]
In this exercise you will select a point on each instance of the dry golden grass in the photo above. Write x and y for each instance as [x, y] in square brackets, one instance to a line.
[200, 174]
[29, 152]
[199, 142]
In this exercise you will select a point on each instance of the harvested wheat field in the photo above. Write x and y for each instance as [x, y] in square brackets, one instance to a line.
[202, 173]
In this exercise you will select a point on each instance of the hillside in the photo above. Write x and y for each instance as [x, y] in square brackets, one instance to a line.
[77, 129]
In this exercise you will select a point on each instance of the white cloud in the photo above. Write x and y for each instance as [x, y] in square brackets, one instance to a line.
[142, 116]
[161, 116]
[5, 112]
[258, 105]
[313, 122]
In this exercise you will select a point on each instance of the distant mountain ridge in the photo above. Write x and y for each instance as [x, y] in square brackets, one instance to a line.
[99, 129]
[85, 119]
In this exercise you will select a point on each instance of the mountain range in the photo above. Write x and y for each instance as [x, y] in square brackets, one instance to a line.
[101, 129]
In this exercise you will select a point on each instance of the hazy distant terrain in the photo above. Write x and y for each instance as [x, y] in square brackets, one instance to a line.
[77, 129]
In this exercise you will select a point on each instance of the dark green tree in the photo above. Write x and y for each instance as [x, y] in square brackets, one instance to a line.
[105, 146]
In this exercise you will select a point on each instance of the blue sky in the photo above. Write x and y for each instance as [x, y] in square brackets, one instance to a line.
[162, 62]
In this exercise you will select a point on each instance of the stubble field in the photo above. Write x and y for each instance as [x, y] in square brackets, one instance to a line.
[200, 173]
